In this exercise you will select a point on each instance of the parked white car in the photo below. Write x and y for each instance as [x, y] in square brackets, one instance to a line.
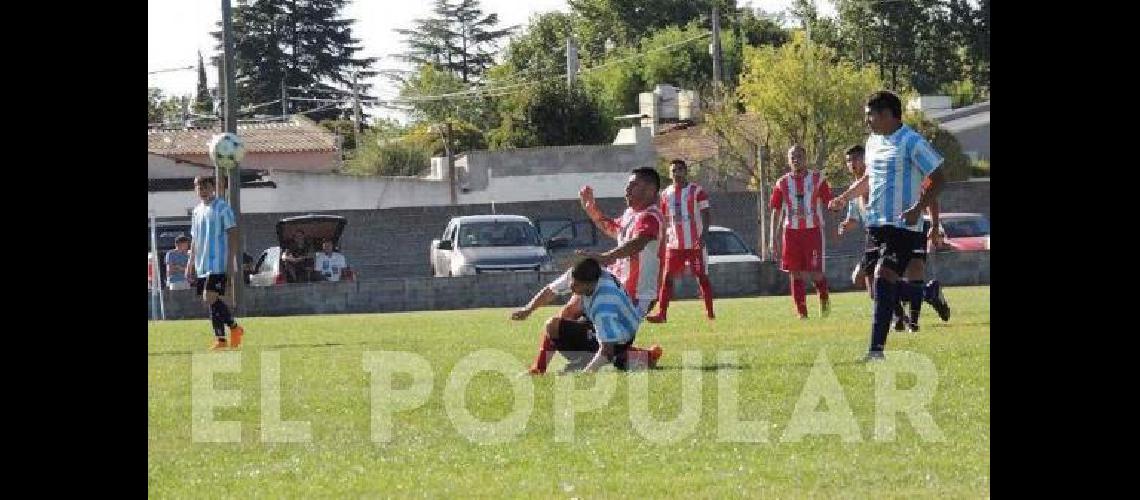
[476, 244]
[724, 245]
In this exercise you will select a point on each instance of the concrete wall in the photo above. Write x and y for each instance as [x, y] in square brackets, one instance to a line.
[394, 242]
[549, 173]
[514, 289]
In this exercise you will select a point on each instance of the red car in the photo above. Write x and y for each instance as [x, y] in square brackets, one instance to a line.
[963, 231]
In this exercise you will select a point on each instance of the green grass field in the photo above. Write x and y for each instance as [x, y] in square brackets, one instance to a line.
[323, 382]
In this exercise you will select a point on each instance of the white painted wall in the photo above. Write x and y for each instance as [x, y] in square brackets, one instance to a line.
[301, 192]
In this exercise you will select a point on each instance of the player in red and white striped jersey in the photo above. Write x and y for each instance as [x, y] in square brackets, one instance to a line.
[686, 208]
[802, 195]
[636, 260]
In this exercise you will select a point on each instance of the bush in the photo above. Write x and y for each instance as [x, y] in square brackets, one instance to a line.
[956, 165]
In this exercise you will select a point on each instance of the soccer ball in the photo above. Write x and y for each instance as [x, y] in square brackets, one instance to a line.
[226, 150]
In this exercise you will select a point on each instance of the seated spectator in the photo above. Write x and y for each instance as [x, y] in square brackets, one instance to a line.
[176, 261]
[297, 259]
[246, 267]
[329, 263]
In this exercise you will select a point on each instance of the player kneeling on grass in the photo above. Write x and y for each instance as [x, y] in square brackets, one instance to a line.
[597, 326]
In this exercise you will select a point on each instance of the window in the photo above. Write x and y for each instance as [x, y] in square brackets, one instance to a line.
[581, 233]
[498, 234]
[966, 228]
[726, 243]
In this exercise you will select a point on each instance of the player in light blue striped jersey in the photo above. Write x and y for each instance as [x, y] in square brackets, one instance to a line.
[213, 247]
[608, 330]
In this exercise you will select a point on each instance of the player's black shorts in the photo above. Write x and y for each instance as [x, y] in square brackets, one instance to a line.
[870, 260]
[919, 244]
[896, 246]
[212, 282]
[576, 341]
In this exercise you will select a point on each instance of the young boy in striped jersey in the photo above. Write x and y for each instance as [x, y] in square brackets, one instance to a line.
[213, 247]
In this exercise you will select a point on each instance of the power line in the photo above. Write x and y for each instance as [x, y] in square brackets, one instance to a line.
[168, 70]
[497, 91]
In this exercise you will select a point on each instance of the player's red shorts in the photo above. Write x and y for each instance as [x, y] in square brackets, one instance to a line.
[675, 260]
[803, 250]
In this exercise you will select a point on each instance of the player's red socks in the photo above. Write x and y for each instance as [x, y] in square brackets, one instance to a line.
[545, 352]
[706, 293]
[821, 286]
[799, 296]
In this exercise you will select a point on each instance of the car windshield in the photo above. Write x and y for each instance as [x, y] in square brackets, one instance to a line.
[497, 234]
[725, 243]
[966, 228]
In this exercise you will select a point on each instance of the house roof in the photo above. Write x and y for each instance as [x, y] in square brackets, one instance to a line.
[299, 134]
[695, 143]
[962, 112]
[969, 122]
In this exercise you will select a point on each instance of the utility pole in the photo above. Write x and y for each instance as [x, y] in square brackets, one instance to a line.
[450, 162]
[762, 203]
[716, 59]
[234, 185]
[571, 61]
[284, 98]
[356, 110]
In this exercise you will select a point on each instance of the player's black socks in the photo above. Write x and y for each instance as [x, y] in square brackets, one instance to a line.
[218, 324]
[222, 311]
[885, 302]
[914, 294]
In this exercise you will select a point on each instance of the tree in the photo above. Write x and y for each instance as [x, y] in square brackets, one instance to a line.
[390, 149]
[458, 38]
[203, 101]
[956, 166]
[539, 51]
[161, 110]
[346, 129]
[298, 44]
[625, 22]
[553, 114]
[153, 105]
[805, 98]
[430, 80]
[738, 136]
[916, 44]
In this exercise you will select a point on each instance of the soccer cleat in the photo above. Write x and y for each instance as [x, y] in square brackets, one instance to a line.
[901, 324]
[655, 353]
[219, 345]
[873, 356]
[933, 295]
[912, 327]
[235, 336]
[656, 318]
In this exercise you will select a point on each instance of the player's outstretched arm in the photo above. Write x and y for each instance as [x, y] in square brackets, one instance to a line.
[857, 189]
[542, 298]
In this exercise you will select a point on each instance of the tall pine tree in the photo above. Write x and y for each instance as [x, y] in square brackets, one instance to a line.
[303, 45]
[203, 101]
[458, 37]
